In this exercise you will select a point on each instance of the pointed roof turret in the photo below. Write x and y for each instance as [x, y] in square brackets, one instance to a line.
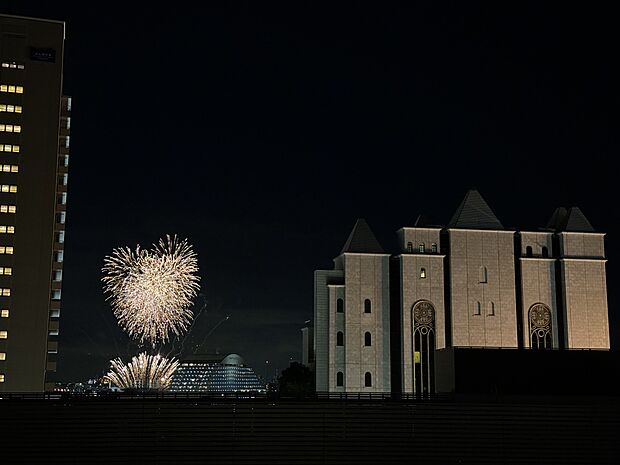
[362, 239]
[569, 219]
[474, 213]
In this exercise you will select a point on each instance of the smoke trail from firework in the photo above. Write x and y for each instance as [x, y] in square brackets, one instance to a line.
[151, 291]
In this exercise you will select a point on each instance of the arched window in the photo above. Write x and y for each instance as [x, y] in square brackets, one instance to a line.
[340, 379]
[545, 252]
[483, 274]
[368, 379]
[421, 247]
[434, 247]
[339, 338]
[367, 339]
[340, 306]
[528, 251]
[410, 247]
[367, 306]
[491, 309]
[540, 327]
[422, 273]
[477, 308]
[423, 348]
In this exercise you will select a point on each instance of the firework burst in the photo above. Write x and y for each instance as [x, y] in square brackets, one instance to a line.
[151, 291]
[143, 372]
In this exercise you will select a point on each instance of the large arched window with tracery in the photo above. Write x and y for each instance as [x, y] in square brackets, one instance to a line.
[540, 327]
[423, 331]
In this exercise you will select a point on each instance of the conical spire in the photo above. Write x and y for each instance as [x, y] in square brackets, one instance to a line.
[475, 213]
[362, 239]
[569, 219]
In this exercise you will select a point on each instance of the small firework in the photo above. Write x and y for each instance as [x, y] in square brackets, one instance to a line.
[151, 291]
[144, 372]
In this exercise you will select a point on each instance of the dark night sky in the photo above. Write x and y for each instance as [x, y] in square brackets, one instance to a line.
[261, 134]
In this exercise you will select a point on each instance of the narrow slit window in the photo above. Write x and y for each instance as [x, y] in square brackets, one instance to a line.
[483, 274]
[491, 309]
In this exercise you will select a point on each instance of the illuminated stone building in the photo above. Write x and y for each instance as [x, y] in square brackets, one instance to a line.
[34, 140]
[380, 319]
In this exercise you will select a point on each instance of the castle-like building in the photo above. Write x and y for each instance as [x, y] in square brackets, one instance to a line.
[380, 318]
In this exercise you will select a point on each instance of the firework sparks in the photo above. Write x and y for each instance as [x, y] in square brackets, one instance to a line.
[151, 291]
[143, 372]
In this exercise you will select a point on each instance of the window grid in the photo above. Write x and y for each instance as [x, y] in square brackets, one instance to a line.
[6, 64]
[7, 229]
[10, 168]
[8, 209]
[6, 270]
[11, 89]
[10, 128]
[10, 108]
[9, 148]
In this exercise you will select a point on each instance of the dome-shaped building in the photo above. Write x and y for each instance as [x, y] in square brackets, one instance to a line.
[214, 374]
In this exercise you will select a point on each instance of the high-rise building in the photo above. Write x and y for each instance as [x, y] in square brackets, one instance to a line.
[34, 154]
[470, 284]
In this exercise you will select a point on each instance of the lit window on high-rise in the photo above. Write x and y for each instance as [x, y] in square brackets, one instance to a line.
[4, 313]
[9, 148]
[6, 270]
[6, 229]
[10, 128]
[10, 168]
[5, 291]
[7, 209]
[4, 334]
[11, 188]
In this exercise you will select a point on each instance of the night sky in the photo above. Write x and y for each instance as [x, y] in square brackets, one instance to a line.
[261, 134]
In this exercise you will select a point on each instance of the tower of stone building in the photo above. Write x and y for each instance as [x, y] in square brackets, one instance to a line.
[582, 280]
[352, 311]
[481, 269]
[537, 303]
[421, 304]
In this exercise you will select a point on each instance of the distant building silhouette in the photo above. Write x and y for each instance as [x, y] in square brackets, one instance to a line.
[307, 345]
[34, 156]
[380, 318]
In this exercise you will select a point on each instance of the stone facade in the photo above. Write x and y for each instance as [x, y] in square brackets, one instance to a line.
[472, 283]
